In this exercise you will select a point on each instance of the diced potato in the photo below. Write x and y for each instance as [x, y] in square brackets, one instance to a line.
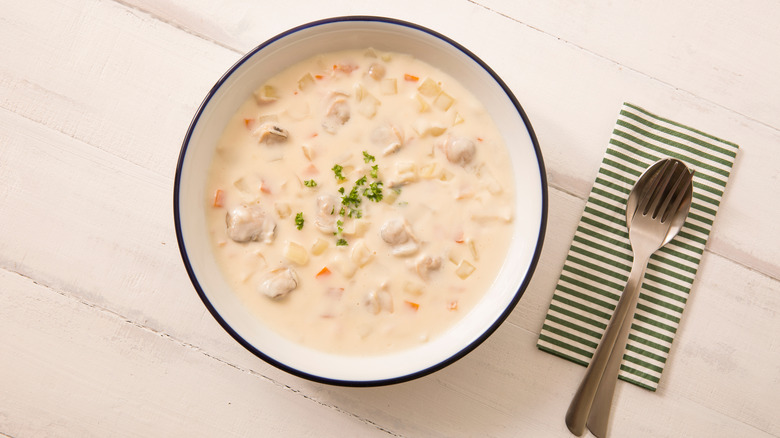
[428, 171]
[413, 288]
[422, 105]
[472, 248]
[357, 227]
[295, 253]
[458, 119]
[266, 94]
[319, 246]
[464, 269]
[242, 185]
[368, 106]
[388, 86]
[429, 88]
[361, 254]
[345, 266]
[426, 127]
[283, 209]
[405, 172]
[360, 91]
[305, 82]
[443, 101]
[446, 175]
[390, 196]
[386, 57]
[308, 152]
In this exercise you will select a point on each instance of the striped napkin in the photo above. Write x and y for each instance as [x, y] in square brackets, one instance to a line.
[599, 259]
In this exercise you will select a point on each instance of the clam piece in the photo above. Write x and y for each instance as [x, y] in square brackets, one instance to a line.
[378, 300]
[278, 283]
[336, 115]
[270, 132]
[325, 219]
[459, 150]
[398, 234]
[425, 264]
[377, 71]
[246, 223]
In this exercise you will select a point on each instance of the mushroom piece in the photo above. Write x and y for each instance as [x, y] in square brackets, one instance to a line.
[325, 219]
[278, 283]
[248, 222]
[336, 115]
[270, 132]
[425, 264]
[459, 150]
[397, 234]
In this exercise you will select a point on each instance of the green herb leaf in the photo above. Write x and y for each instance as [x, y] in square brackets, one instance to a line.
[368, 157]
[375, 171]
[341, 242]
[310, 183]
[374, 191]
[337, 169]
[299, 221]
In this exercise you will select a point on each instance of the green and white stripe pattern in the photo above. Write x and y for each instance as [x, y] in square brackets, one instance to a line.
[599, 260]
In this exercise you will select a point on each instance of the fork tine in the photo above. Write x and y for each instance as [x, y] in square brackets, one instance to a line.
[660, 189]
[649, 189]
[669, 192]
[678, 194]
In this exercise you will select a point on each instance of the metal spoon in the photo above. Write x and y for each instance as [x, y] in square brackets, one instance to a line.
[656, 210]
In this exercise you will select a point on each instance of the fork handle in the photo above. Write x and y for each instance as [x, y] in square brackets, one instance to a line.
[605, 364]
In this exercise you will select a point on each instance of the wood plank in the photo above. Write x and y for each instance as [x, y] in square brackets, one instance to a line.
[72, 369]
[716, 50]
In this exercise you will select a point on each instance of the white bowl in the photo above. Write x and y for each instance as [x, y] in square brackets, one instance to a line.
[304, 42]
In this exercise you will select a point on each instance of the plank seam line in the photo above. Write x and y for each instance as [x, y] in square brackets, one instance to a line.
[752, 119]
[196, 348]
[176, 26]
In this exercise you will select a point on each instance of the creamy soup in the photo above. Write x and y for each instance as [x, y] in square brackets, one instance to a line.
[360, 202]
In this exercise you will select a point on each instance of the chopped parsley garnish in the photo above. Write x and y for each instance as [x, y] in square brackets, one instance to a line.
[310, 183]
[361, 181]
[375, 171]
[337, 172]
[374, 191]
[299, 221]
[368, 157]
[341, 242]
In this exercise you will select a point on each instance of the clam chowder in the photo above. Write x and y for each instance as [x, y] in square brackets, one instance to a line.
[360, 202]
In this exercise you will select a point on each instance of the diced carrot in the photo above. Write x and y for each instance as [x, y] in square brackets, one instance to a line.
[323, 272]
[452, 305]
[219, 196]
[411, 78]
[264, 188]
[480, 139]
[248, 122]
[318, 76]
[459, 237]
[412, 305]
[314, 135]
[311, 169]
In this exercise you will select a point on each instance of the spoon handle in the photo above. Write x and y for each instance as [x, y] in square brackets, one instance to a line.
[598, 418]
[579, 412]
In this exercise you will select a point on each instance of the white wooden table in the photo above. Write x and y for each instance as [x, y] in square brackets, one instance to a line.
[102, 334]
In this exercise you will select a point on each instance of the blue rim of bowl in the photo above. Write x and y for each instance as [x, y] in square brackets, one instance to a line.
[360, 383]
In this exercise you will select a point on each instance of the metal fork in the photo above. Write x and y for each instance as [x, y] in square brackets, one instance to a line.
[656, 210]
